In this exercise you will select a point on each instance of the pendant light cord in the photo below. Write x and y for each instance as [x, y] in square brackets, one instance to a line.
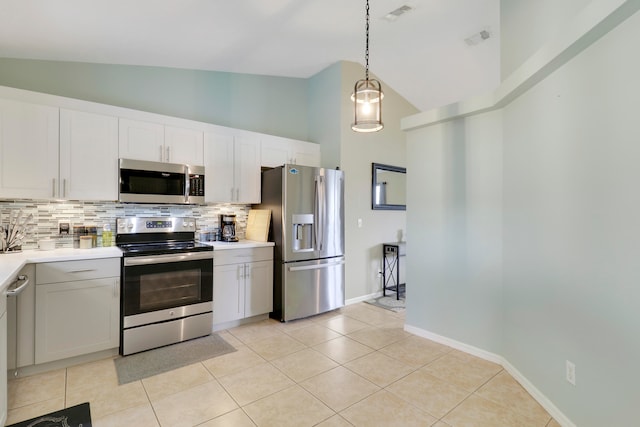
[366, 51]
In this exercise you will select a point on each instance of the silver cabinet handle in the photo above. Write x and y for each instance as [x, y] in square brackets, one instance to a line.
[82, 271]
[64, 187]
[247, 270]
[168, 154]
[161, 152]
[232, 194]
[53, 192]
[18, 286]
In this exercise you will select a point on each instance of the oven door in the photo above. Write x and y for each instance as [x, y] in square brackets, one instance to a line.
[157, 288]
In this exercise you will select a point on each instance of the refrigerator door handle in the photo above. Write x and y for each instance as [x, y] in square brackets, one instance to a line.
[316, 266]
[319, 202]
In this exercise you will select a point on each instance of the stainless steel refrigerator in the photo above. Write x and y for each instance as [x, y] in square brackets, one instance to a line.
[307, 211]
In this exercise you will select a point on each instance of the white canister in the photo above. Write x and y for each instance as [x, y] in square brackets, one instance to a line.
[86, 242]
[46, 244]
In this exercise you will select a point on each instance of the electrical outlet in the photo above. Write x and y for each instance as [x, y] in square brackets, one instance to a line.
[571, 372]
[359, 222]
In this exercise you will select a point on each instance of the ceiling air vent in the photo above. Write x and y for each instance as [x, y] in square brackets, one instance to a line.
[395, 14]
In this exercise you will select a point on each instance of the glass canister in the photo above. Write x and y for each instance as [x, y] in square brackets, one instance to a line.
[107, 235]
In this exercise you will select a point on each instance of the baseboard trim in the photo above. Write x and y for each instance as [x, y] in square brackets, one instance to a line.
[552, 409]
[363, 298]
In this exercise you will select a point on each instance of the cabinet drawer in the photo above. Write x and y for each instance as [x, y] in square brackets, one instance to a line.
[241, 256]
[69, 271]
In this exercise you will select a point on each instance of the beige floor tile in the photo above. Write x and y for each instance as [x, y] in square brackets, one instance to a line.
[379, 368]
[480, 412]
[467, 374]
[231, 363]
[313, 334]
[553, 423]
[378, 337]
[433, 395]
[140, 416]
[255, 383]
[276, 346]
[343, 324]
[159, 386]
[339, 388]
[36, 388]
[105, 401]
[255, 331]
[101, 373]
[33, 410]
[504, 390]
[343, 349]
[229, 338]
[319, 318]
[335, 421]
[290, 407]
[292, 325]
[194, 406]
[236, 418]
[304, 364]
[384, 409]
[415, 351]
[367, 313]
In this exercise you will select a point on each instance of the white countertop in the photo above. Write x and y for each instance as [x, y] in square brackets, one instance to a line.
[10, 264]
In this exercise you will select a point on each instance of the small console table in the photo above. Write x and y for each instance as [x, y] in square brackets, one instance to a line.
[391, 253]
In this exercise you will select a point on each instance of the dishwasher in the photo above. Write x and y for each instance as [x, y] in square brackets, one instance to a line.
[21, 300]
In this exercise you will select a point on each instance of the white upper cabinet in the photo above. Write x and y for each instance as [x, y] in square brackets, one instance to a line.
[159, 143]
[232, 168]
[277, 151]
[88, 156]
[28, 150]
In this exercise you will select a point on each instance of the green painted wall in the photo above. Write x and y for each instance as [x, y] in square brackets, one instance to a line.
[272, 105]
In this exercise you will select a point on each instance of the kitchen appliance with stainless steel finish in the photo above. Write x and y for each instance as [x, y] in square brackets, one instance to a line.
[307, 210]
[167, 283]
[143, 181]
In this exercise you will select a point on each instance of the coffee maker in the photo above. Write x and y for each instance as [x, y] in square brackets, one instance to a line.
[228, 225]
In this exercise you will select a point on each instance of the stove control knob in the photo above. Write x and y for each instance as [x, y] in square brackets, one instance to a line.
[191, 224]
[129, 226]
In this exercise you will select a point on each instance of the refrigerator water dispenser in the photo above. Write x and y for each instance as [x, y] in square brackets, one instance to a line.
[302, 234]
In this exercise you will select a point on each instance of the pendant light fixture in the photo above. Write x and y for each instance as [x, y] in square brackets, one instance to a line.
[367, 96]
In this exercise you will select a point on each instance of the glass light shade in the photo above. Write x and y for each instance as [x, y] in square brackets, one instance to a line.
[367, 105]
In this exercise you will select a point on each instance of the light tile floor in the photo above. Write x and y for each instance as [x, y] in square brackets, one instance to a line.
[353, 366]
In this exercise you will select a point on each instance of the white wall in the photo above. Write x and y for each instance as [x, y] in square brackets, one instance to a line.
[358, 151]
[572, 232]
[566, 284]
[454, 222]
[526, 25]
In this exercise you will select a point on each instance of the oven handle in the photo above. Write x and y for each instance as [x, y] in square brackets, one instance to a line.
[160, 259]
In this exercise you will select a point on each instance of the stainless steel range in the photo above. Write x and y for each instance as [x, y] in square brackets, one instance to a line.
[167, 283]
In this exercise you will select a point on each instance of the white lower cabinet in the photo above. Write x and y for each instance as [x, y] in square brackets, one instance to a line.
[3, 359]
[77, 308]
[242, 283]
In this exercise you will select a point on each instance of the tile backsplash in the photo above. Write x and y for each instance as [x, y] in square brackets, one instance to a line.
[47, 215]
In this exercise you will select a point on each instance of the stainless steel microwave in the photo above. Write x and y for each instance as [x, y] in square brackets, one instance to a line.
[143, 181]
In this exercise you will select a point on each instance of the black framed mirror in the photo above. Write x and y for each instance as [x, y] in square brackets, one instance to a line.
[388, 187]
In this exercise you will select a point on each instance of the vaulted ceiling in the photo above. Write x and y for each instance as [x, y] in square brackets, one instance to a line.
[438, 52]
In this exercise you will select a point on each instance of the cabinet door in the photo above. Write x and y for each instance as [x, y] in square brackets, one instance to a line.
[274, 151]
[141, 140]
[183, 146]
[3, 365]
[75, 318]
[218, 163]
[247, 170]
[258, 288]
[28, 150]
[228, 294]
[88, 156]
[305, 153]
